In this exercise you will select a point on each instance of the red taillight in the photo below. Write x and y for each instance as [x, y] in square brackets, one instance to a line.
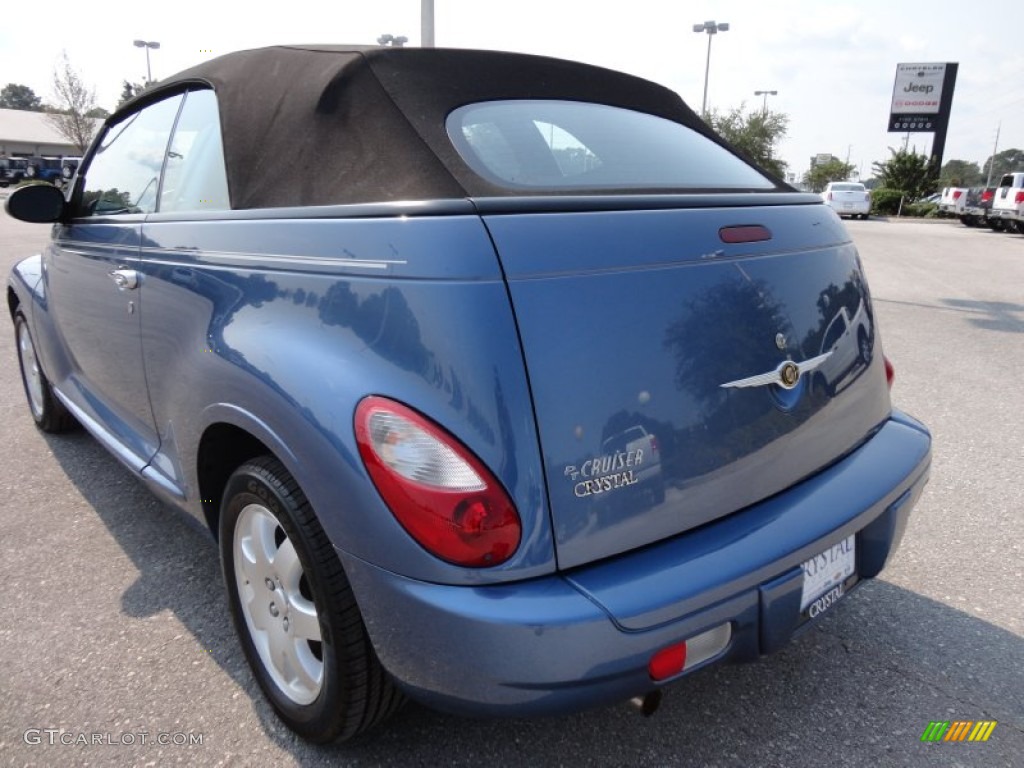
[890, 372]
[957, 193]
[442, 494]
[1019, 197]
[987, 195]
[668, 662]
[655, 445]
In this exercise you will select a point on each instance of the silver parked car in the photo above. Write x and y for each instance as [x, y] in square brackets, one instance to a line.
[848, 198]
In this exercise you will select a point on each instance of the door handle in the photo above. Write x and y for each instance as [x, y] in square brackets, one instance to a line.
[125, 279]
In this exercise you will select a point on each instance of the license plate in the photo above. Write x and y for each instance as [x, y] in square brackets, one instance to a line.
[847, 205]
[825, 576]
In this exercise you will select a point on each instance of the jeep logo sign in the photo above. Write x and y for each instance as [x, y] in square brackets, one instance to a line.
[918, 89]
[920, 101]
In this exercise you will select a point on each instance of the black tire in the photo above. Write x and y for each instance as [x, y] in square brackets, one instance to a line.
[354, 692]
[47, 411]
[863, 346]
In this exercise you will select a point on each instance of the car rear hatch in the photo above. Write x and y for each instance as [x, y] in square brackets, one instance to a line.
[639, 327]
[843, 198]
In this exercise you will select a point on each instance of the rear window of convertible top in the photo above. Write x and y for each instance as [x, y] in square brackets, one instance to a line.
[576, 145]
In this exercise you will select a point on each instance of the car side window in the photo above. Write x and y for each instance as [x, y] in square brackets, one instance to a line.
[124, 173]
[572, 155]
[194, 178]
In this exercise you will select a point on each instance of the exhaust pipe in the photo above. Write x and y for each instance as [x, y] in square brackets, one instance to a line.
[647, 704]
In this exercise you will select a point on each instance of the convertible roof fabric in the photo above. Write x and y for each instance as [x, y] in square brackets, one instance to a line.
[325, 125]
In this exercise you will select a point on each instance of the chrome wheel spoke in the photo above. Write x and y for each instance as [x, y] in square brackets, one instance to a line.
[308, 670]
[302, 616]
[256, 608]
[288, 568]
[281, 651]
[257, 546]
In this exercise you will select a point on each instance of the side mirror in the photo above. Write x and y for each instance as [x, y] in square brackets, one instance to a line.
[36, 204]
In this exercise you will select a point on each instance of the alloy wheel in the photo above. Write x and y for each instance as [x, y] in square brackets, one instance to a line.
[277, 604]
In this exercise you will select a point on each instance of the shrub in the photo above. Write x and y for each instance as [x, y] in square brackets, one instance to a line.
[928, 210]
[886, 201]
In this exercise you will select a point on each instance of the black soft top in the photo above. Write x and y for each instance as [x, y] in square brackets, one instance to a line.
[325, 125]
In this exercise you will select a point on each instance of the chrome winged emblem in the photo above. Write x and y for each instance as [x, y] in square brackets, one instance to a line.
[786, 375]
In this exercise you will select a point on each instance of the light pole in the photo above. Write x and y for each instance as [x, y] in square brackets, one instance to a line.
[427, 23]
[766, 94]
[147, 45]
[712, 29]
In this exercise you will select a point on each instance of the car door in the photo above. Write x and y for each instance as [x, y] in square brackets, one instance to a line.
[181, 291]
[95, 287]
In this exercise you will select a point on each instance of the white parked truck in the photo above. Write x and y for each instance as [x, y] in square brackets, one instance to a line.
[1008, 203]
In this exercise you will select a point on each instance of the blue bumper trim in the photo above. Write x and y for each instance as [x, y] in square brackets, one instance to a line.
[583, 639]
[661, 583]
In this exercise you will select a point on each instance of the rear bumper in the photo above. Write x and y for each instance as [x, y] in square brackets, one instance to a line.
[585, 637]
[851, 209]
[1004, 213]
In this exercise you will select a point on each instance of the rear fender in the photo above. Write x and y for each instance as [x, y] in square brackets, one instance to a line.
[286, 355]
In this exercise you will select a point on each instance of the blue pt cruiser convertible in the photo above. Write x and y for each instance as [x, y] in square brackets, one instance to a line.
[502, 381]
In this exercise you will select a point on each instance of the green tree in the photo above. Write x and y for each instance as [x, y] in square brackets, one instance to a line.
[908, 172]
[821, 174]
[129, 91]
[75, 100]
[1007, 161]
[756, 134]
[14, 96]
[960, 173]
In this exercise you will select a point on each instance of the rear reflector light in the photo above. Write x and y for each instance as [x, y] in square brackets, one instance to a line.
[986, 195]
[752, 233]
[441, 494]
[890, 372]
[668, 662]
[1019, 197]
[671, 661]
[957, 193]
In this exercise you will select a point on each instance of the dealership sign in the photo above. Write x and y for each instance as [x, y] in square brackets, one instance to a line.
[921, 97]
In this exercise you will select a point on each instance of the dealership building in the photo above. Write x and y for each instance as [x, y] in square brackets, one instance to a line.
[30, 134]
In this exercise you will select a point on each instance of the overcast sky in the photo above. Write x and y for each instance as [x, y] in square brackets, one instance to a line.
[832, 62]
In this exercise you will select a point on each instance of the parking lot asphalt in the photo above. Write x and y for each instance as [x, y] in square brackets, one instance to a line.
[115, 621]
